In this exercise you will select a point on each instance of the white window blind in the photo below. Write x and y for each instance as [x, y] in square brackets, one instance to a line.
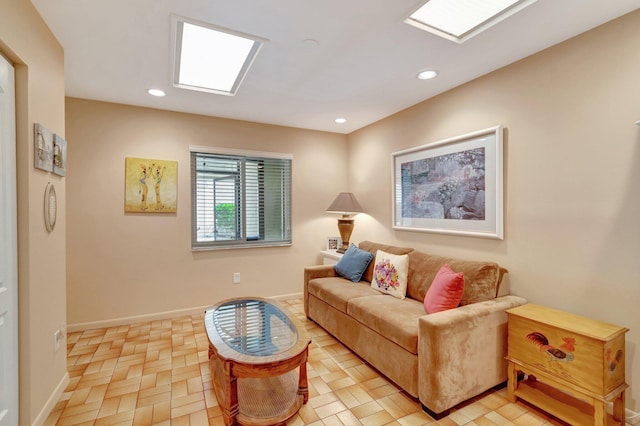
[240, 200]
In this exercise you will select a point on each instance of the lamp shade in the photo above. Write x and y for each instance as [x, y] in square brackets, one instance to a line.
[345, 203]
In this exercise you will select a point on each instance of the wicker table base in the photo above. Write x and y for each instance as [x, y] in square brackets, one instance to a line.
[259, 390]
[259, 401]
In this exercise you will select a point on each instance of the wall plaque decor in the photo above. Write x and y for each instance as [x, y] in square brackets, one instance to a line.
[454, 186]
[59, 155]
[50, 207]
[151, 186]
[43, 147]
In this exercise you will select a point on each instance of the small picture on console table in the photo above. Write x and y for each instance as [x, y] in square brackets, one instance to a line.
[333, 243]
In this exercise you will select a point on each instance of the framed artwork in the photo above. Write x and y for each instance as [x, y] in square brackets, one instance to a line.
[454, 186]
[151, 186]
[59, 155]
[43, 147]
[333, 243]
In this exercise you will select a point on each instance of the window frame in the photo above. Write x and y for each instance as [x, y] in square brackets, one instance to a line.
[244, 242]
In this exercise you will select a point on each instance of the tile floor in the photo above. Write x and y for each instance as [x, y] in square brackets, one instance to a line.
[158, 373]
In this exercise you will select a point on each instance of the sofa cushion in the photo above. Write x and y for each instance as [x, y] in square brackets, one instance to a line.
[337, 291]
[393, 318]
[445, 291]
[373, 248]
[481, 279]
[353, 263]
[390, 274]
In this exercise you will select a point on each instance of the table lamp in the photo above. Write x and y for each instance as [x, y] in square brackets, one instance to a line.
[347, 205]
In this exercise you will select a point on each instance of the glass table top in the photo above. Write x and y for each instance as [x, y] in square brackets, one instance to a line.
[253, 327]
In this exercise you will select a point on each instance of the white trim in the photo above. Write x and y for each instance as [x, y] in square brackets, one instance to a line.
[52, 401]
[631, 417]
[9, 304]
[116, 322]
[284, 297]
[233, 151]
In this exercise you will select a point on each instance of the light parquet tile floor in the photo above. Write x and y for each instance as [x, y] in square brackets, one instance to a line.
[157, 373]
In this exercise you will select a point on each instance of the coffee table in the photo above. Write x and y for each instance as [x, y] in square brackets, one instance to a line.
[255, 346]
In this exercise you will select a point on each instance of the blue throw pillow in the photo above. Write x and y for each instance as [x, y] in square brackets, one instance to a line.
[353, 263]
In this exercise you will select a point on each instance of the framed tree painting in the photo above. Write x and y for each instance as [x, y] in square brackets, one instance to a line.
[454, 186]
[151, 186]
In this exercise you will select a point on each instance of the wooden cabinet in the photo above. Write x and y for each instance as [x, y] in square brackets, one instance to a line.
[575, 366]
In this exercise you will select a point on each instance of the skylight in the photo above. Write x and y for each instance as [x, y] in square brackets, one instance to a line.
[459, 20]
[211, 59]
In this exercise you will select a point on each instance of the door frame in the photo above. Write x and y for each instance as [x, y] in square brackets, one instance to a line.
[9, 249]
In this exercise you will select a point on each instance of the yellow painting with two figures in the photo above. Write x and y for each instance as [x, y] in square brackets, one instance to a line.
[150, 186]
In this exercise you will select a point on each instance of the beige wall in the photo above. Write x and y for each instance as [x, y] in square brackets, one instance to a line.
[39, 62]
[572, 181]
[121, 265]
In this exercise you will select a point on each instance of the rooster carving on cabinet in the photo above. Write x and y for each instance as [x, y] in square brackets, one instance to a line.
[563, 353]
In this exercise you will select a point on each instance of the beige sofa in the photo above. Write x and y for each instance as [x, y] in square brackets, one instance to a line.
[442, 358]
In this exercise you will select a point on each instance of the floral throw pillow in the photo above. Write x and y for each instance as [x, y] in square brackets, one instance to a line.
[390, 273]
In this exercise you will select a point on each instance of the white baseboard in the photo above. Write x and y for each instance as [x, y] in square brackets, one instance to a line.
[52, 401]
[116, 322]
[287, 296]
[631, 417]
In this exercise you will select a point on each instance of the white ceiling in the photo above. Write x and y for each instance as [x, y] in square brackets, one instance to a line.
[362, 67]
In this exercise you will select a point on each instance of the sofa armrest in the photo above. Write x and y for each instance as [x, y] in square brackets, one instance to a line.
[461, 352]
[312, 272]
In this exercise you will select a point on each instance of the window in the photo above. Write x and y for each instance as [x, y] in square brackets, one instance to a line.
[240, 199]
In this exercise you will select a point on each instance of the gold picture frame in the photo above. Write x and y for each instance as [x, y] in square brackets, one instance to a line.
[151, 186]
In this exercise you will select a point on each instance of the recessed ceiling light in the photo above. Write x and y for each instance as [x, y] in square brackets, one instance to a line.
[340, 120]
[427, 74]
[156, 92]
[210, 58]
[459, 20]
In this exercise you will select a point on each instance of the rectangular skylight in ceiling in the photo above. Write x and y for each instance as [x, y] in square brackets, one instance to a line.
[459, 20]
[211, 59]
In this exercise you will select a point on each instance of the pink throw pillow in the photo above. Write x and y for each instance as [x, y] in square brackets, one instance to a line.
[445, 291]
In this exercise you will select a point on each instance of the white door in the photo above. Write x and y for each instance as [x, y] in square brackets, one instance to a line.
[8, 251]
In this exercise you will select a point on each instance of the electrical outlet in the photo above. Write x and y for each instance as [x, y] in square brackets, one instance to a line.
[236, 277]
